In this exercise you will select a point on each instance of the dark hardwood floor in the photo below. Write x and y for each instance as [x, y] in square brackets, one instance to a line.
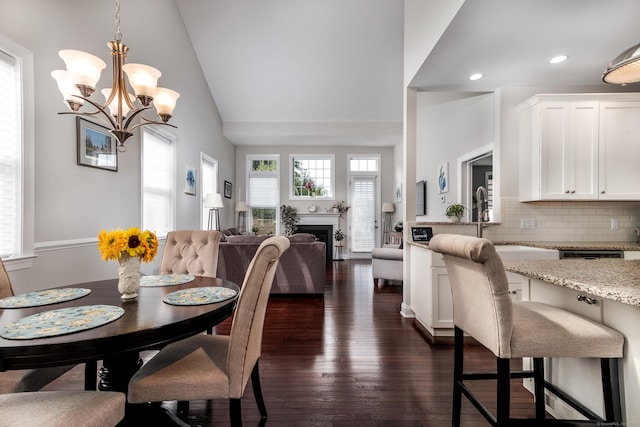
[348, 360]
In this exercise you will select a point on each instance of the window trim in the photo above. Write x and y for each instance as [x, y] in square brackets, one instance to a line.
[331, 157]
[205, 158]
[25, 244]
[172, 139]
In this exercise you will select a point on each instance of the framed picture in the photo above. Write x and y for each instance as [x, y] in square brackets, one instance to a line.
[399, 193]
[190, 180]
[443, 178]
[227, 189]
[97, 148]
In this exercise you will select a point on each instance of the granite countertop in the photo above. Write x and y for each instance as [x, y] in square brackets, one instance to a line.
[612, 279]
[563, 246]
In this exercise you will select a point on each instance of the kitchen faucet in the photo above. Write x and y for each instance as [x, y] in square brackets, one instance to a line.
[483, 214]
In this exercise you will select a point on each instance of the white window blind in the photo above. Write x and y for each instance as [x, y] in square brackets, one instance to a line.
[263, 190]
[10, 144]
[363, 213]
[157, 183]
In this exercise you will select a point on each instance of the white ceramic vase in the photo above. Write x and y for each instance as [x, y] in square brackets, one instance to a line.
[129, 277]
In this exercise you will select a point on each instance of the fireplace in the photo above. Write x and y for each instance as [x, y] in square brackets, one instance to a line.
[323, 233]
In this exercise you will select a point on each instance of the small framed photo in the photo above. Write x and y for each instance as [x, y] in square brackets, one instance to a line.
[97, 148]
[227, 189]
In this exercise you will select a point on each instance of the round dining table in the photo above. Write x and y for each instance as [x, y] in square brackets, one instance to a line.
[147, 323]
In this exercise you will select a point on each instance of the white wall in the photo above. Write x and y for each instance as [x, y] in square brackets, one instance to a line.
[449, 125]
[73, 203]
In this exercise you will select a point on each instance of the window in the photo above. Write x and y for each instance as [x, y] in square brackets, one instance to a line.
[263, 195]
[209, 168]
[16, 152]
[158, 181]
[312, 176]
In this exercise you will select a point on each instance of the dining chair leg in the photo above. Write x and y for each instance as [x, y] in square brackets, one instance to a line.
[458, 360]
[538, 383]
[235, 412]
[257, 391]
[91, 375]
[504, 391]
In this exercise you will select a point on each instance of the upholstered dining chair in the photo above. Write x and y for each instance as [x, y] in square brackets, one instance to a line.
[483, 309]
[21, 380]
[62, 409]
[191, 252]
[206, 367]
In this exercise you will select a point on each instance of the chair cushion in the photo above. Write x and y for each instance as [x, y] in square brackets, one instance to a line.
[302, 238]
[15, 381]
[191, 369]
[541, 330]
[62, 409]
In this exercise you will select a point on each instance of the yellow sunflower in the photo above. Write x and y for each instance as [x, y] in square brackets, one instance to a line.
[111, 244]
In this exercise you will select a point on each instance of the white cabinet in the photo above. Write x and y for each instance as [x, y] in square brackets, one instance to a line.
[619, 151]
[579, 147]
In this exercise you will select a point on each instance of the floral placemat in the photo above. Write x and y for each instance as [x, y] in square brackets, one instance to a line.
[199, 296]
[166, 279]
[45, 297]
[61, 322]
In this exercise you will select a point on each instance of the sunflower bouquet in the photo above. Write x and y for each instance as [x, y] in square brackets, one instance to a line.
[117, 244]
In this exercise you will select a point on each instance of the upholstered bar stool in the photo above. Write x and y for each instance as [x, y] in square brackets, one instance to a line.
[483, 309]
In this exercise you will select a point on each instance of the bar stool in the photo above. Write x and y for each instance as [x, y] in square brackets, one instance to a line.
[483, 309]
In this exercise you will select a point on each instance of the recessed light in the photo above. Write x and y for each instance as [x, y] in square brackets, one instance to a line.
[476, 76]
[558, 59]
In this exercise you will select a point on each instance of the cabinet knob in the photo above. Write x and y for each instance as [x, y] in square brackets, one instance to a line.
[602, 192]
[588, 300]
[566, 191]
[573, 191]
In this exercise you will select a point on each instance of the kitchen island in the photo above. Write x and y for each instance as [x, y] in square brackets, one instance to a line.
[607, 291]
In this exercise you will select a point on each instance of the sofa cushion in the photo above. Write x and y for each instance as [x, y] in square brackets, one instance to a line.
[246, 238]
[302, 238]
[231, 232]
[387, 253]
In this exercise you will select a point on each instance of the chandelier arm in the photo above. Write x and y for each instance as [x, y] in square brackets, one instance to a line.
[133, 115]
[152, 123]
[101, 109]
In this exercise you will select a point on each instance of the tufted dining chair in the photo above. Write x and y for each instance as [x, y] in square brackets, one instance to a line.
[191, 252]
[483, 309]
[206, 367]
[21, 380]
[62, 409]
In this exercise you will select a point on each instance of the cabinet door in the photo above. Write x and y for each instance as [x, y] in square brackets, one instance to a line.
[619, 151]
[442, 302]
[568, 150]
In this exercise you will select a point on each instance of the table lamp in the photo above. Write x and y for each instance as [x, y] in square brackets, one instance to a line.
[213, 202]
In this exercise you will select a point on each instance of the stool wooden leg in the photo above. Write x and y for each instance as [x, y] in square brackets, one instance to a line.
[538, 379]
[611, 390]
[504, 392]
[458, 361]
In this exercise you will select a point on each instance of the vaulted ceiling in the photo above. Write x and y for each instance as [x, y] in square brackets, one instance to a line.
[330, 72]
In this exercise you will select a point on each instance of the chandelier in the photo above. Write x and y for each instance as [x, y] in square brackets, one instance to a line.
[78, 82]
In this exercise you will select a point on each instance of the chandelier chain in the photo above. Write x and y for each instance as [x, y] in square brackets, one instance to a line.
[118, 34]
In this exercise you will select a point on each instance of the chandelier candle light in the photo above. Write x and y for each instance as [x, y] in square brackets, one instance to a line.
[128, 248]
[78, 82]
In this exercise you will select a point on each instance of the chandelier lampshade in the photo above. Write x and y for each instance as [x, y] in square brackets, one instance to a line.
[122, 111]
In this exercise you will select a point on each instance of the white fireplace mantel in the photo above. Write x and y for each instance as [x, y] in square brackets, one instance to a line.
[319, 219]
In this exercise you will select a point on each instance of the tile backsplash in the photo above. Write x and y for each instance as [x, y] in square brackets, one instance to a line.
[566, 221]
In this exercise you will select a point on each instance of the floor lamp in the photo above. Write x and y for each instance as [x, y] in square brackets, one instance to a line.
[213, 202]
[387, 209]
[241, 208]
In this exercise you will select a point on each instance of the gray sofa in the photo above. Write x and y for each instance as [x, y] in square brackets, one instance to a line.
[301, 270]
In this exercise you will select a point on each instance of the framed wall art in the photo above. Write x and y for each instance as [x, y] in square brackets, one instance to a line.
[443, 178]
[97, 148]
[227, 189]
[190, 180]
